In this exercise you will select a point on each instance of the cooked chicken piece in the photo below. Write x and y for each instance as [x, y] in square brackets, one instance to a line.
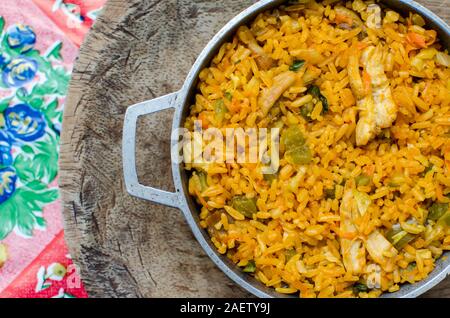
[377, 107]
[385, 108]
[270, 95]
[366, 128]
[264, 61]
[354, 75]
[352, 249]
[381, 250]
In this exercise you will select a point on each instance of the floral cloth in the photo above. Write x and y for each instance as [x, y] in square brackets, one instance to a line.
[39, 40]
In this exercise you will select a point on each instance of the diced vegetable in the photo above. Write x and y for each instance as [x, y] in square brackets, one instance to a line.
[362, 180]
[228, 95]
[212, 219]
[293, 137]
[427, 169]
[202, 178]
[417, 20]
[442, 59]
[315, 91]
[250, 268]
[363, 201]
[445, 219]
[359, 288]
[437, 210]
[398, 237]
[330, 193]
[297, 152]
[288, 254]
[300, 155]
[306, 110]
[244, 205]
[219, 110]
[270, 177]
[297, 65]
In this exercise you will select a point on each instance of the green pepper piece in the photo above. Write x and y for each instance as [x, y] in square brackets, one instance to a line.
[228, 96]
[300, 155]
[437, 210]
[359, 287]
[330, 193]
[270, 177]
[244, 205]
[250, 267]
[288, 254]
[203, 183]
[398, 237]
[296, 65]
[306, 110]
[362, 180]
[293, 137]
[220, 109]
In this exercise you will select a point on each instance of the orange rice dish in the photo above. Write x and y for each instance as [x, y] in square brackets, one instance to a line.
[360, 202]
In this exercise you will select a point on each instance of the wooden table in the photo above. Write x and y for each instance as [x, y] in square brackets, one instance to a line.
[127, 247]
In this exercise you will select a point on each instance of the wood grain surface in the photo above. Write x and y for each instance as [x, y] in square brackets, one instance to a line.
[124, 246]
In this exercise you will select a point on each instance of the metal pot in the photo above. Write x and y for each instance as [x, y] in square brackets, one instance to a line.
[181, 199]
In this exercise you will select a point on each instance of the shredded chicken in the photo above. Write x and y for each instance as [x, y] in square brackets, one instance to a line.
[270, 95]
[377, 107]
[385, 108]
[352, 249]
[381, 250]
[263, 60]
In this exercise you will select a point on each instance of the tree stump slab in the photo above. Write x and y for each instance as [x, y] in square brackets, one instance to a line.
[124, 246]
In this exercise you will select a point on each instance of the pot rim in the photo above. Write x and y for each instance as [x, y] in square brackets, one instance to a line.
[185, 201]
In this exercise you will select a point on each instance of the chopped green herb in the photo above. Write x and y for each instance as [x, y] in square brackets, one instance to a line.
[359, 287]
[314, 90]
[297, 65]
[250, 267]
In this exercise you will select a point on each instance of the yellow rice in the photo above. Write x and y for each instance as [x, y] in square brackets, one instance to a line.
[293, 213]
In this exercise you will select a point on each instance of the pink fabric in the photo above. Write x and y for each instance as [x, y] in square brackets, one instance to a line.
[40, 266]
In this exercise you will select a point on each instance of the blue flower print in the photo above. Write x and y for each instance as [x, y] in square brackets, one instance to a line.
[20, 71]
[4, 60]
[8, 179]
[6, 158]
[21, 37]
[24, 122]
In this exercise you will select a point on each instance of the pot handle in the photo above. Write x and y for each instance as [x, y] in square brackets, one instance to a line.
[129, 151]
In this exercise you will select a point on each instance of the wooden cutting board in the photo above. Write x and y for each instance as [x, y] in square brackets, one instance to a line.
[127, 247]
